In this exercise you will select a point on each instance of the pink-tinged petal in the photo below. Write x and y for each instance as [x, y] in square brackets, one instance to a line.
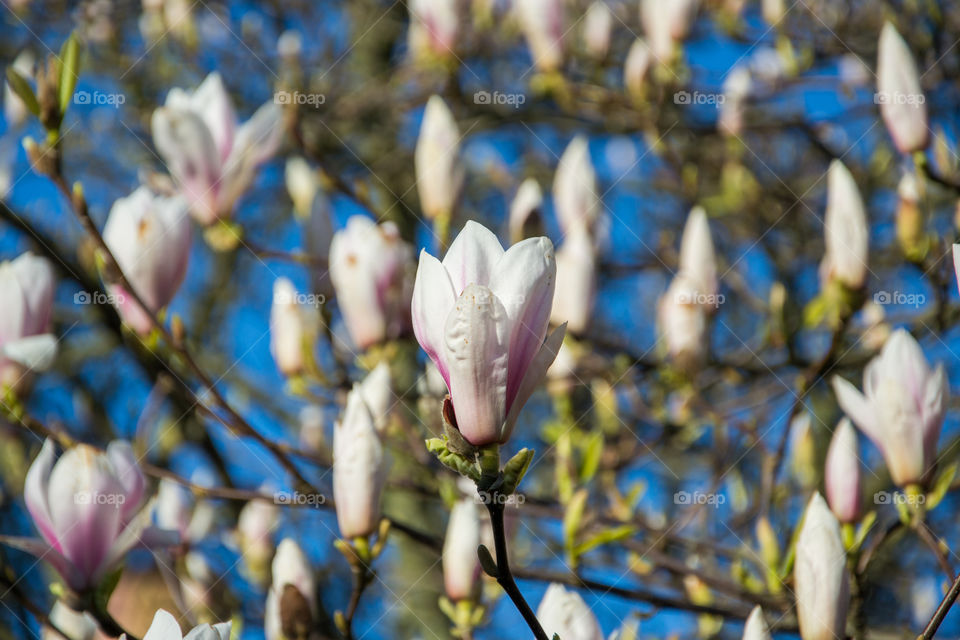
[85, 500]
[13, 300]
[902, 359]
[956, 263]
[187, 147]
[36, 280]
[257, 140]
[212, 102]
[163, 627]
[860, 410]
[842, 473]
[47, 553]
[139, 534]
[132, 314]
[433, 298]
[535, 374]
[935, 400]
[35, 353]
[524, 280]
[476, 344]
[35, 489]
[472, 256]
[127, 471]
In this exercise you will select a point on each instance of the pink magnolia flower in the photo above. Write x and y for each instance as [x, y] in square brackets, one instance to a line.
[211, 156]
[433, 27]
[436, 160]
[86, 506]
[902, 103]
[149, 235]
[290, 568]
[666, 25]
[842, 473]
[358, 469]
[481, 315]
[525, 205]
[846, 232]
[901, 408]
[756, 627]
[165, 627]
[542, 22]
[26, 298]
[369, 268]
[577, 280]
[461, 565]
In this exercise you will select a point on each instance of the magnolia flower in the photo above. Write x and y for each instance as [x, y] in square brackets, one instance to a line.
[433, 27]
[683, 323]
[820, 575]
[377, 393]
[291, 325]
[481, 315]
[256, 525]
[461, 564]
[736, 90]
[302, 184]
[86, 506]
[358, 469]
[845, 229]
[698, 260]
[576, 280]
[564, 613]
[149, 235]
[369, 270]
[165, 627]
[312, 422]
[212, 158]
[14, 111]
[436, 161]
[597, 24]
[842, 473]
[901, 408]
[756, 627]
[292, 598]
[666, 24]
[635, 68]
[575, 195]
[542, 22]
[26, 300]
[526, 204]
[75, 624]
[317, 238]
[902, 103]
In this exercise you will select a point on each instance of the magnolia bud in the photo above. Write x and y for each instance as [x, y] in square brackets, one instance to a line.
[803, 450]
[378, 395]
[666, 25]
[773, 11]
[820, 575]
[575, 197]
[842, 473]
[910, 223]
[902, 103]
[683, 323]
[302, 185]
[564, 613]
[576, 281]
[26, 304]
[433, 28]
[358, 469]
[698, 260]
[756, 627]
[635, 68]
[149, 236]
[543, 26]
[597, 24]
[736, 90]
[256, 525]
[525, 206]
[292, 598]
[461, 565]
[289, 329]
[845, 229]
[436, 160]
[75, 624]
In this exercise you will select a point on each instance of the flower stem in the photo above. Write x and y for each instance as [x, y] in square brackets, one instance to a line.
[504, 576]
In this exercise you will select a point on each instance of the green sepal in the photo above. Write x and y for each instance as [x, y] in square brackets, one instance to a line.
[515, 469]
[455, 461]
[101, 595]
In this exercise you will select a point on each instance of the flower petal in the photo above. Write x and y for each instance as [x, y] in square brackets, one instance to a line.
[163, 627]
[534, 376]
[472, 256]
[476, 350]
[121, 456]
[433, 298]
[43, 551]
[860, 410]
[35, 492]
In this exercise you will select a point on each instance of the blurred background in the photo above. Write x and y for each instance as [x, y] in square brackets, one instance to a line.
[743, 122]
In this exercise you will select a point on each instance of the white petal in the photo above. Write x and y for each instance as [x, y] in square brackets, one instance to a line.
[472, 256]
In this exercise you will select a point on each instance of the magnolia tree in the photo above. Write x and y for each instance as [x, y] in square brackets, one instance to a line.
[479, 319]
